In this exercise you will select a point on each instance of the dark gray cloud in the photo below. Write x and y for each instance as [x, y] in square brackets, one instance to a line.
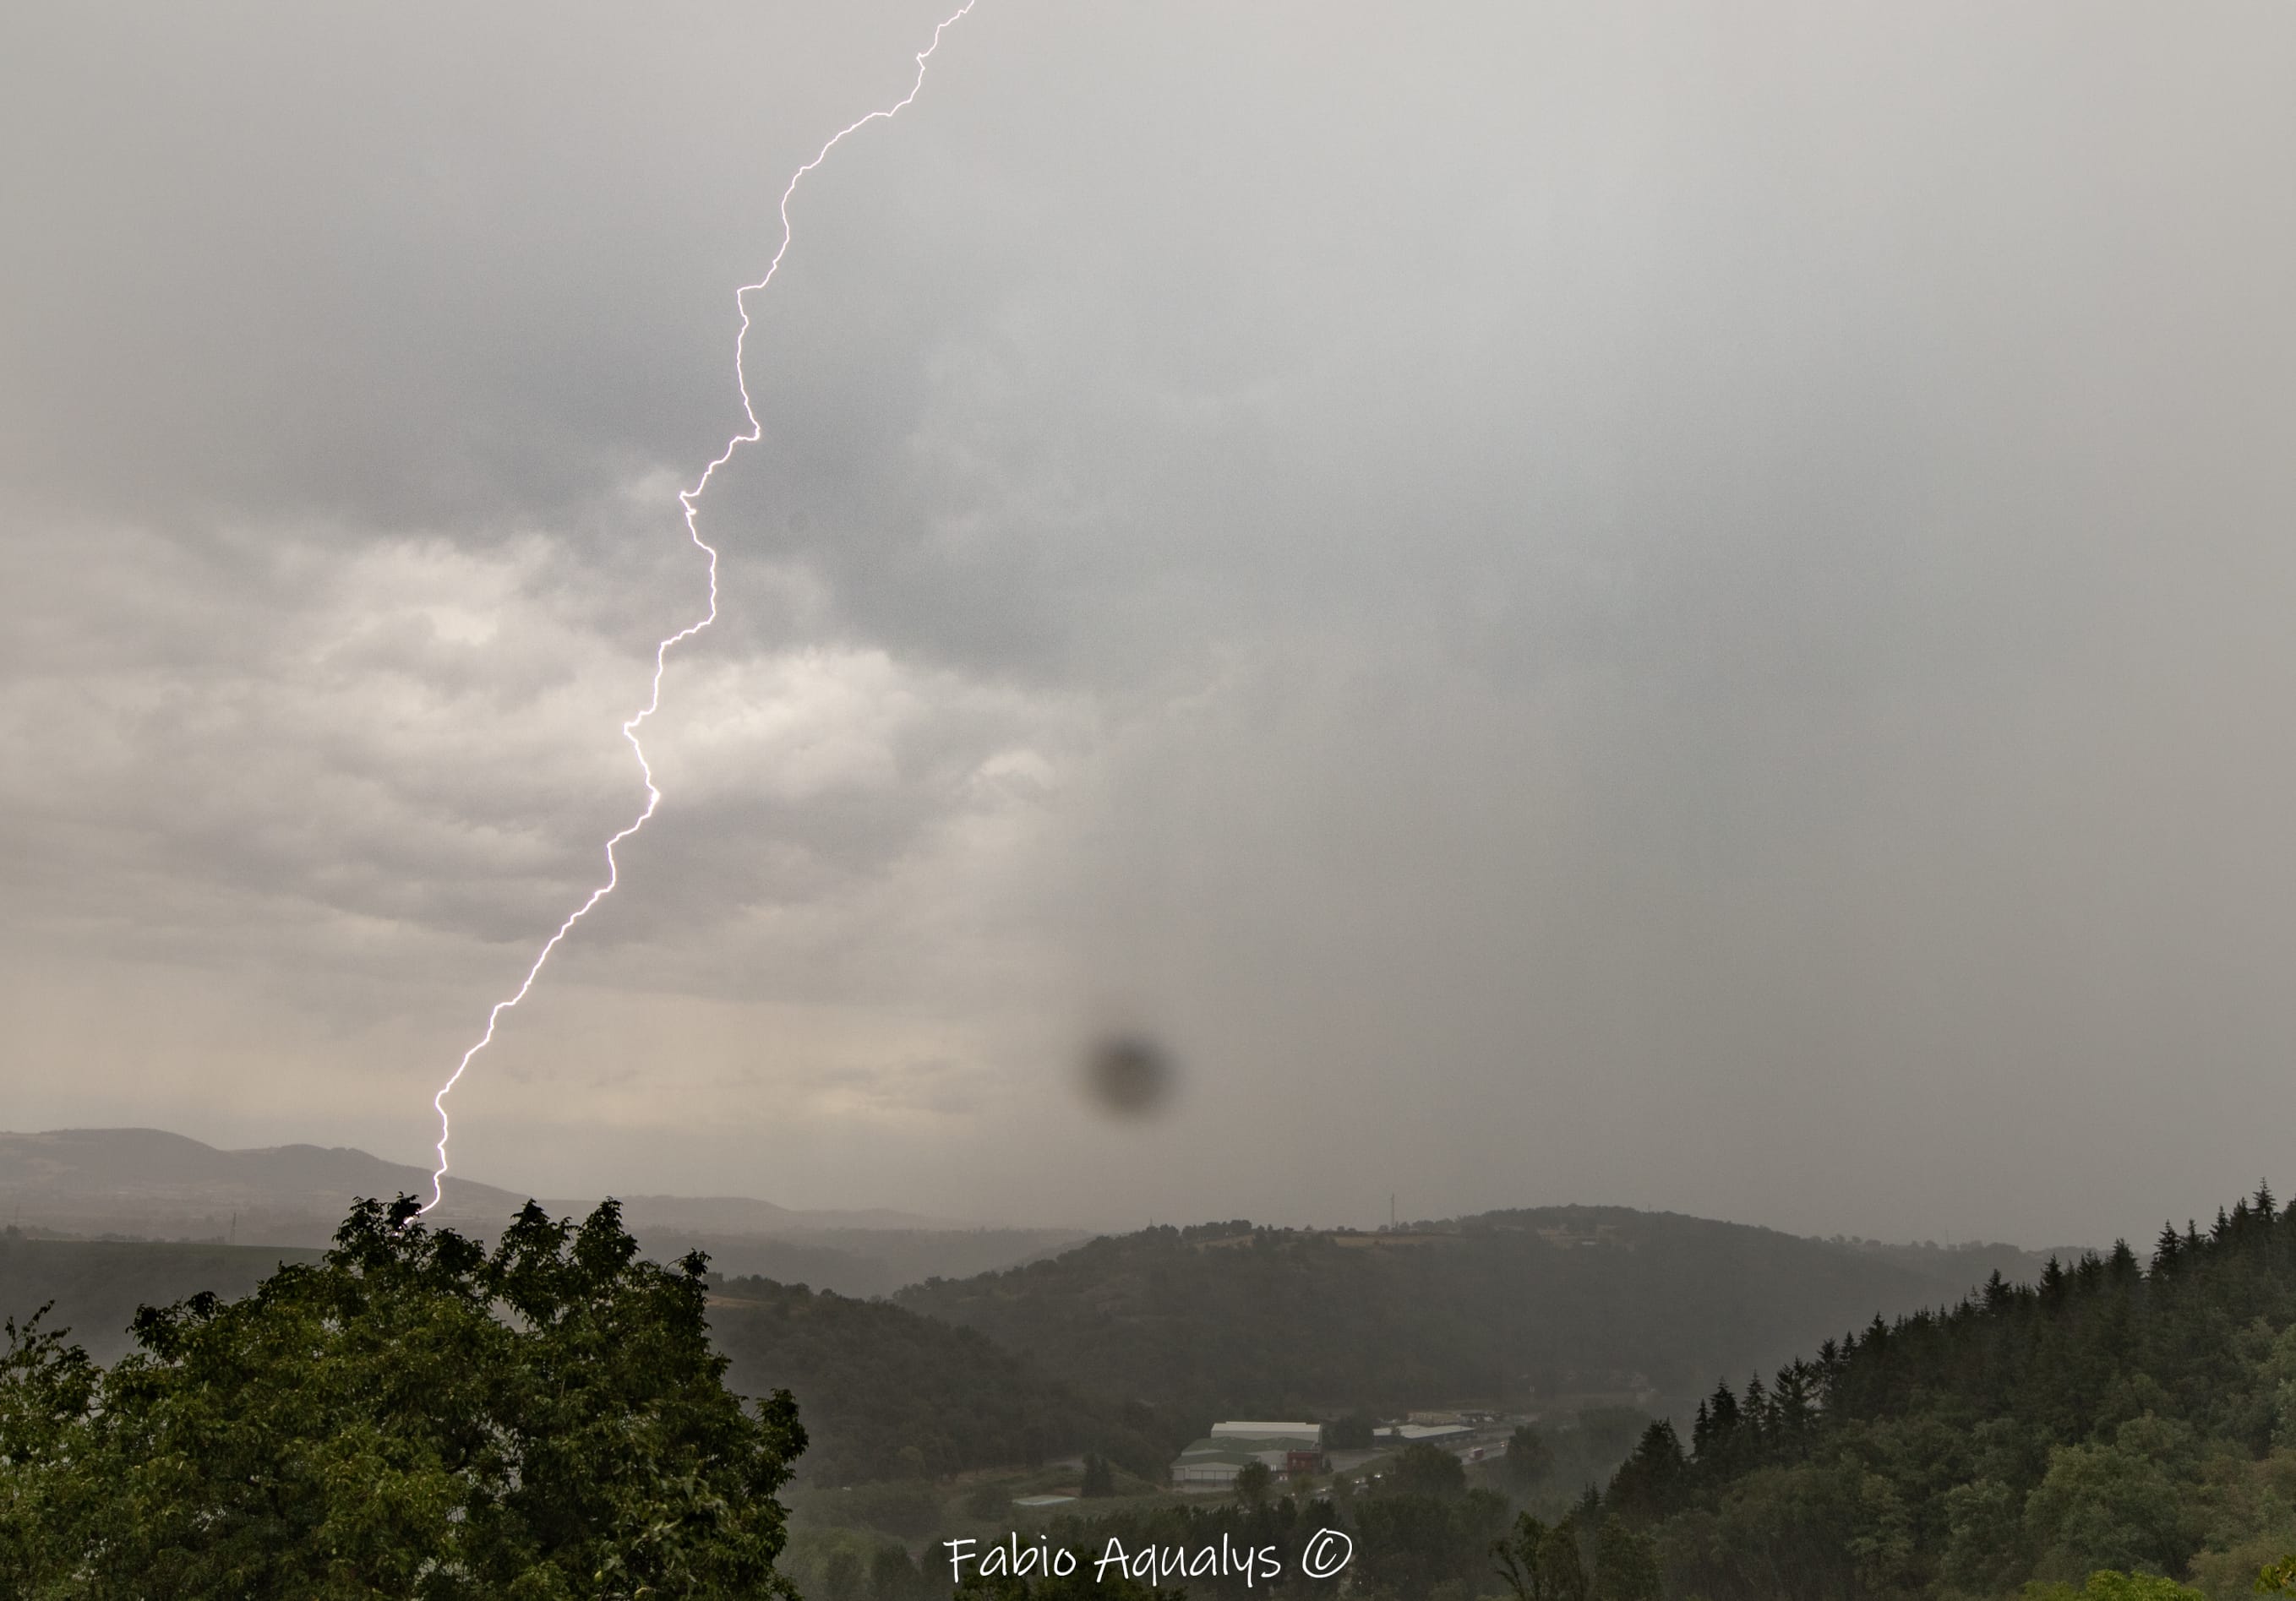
[1670, 608]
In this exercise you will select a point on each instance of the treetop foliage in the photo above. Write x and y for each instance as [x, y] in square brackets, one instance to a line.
[413, 1416]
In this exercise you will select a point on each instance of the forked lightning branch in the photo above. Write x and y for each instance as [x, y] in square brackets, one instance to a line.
[689, 501]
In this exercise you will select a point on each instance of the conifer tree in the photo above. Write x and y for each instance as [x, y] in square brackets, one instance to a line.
[2167, 1249]
[1652, 1483]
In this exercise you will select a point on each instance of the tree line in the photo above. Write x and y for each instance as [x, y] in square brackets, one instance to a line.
[2118, 1417]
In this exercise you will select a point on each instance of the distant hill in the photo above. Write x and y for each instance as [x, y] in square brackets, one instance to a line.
[1962, 1265]
[146, 1183]
[1550, 1307]
[738, 1215]
[859, 1262]
[151, 1184]
[1131, 1345]
[885, 1394]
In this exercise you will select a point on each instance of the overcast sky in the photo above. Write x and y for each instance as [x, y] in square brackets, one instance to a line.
[1660, 605]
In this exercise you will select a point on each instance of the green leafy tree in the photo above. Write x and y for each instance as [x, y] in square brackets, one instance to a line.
[1099, 1478]
[1559, 1567]
[47, 1488]
[2104, 1507]
[1984, 1536]
[414, 1417]
[1790, 1534]
[2108, 1585]
[1515, 1556]
[1419, 1547]
[840, 1576]
[1530, 1460]
[1541, 1563]
[1423, 1469]
[895, 1576]
[1253, 1481]
[1626, 1565]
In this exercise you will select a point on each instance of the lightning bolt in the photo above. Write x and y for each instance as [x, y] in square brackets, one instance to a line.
[689, 501]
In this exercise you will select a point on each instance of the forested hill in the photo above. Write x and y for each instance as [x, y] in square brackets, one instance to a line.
[1509, 1307]
[887, 1394]
[2121, 1414]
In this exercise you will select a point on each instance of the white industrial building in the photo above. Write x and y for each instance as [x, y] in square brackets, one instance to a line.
[1304, 1433]
[1429, 1433]
[1213, 1462]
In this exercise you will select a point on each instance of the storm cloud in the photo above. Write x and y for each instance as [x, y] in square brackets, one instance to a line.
[1643, 606]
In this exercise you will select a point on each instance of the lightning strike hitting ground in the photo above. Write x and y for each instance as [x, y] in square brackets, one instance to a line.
[688, 499]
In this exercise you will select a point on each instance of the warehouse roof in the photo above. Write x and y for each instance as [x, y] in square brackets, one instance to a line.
[1269, 1431]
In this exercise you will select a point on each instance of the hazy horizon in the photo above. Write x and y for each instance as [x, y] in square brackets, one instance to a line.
[1665, 608]
[161, 1200]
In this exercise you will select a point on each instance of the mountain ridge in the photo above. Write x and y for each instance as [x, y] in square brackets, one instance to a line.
[155, 1172]
[153, 1184]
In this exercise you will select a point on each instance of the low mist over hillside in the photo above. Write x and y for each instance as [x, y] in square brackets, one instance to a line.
[150, 1184]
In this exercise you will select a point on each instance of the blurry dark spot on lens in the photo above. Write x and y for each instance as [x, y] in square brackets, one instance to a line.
[1129, 1075]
